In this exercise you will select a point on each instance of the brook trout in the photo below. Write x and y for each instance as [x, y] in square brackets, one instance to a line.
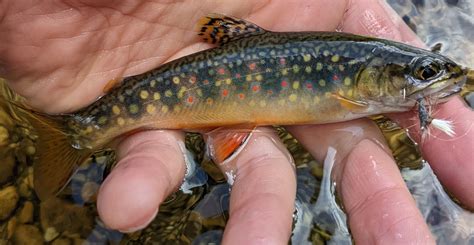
[253, 77]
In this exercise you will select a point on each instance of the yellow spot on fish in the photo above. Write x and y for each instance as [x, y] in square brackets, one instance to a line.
[199, 92]
[341, 92]
[284, 72]
[328, 94]
[347, 81]
[319, 66]
[121, 98]
[350, 92]
[252, 103]
[218, 83]
[296, 68]
[176, 80]
[326, 52]
[228, 81]
[335, 58]
[341, 68]
[133, 108]
[152, 83]
[156, 96]
[308, 69]
[120, 121]
[296, 85]
[322, 83]
[181, 92]
[248, 78]
[263, 103]
[293, 97]
[89, 129]
[281, 102]
[258, 77]
[316, 99]
[164, 109]
[306, 57]
[168, 93]
[150, 108]
[116, 109]
[102, 120]
[144, 94]
[177, 108]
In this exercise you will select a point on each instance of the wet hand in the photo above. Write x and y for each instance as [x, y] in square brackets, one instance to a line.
[98, 41]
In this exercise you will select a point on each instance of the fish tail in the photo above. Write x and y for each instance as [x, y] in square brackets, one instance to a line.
[55, 159]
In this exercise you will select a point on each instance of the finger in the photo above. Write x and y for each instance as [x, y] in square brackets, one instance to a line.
[263, 193]
[379, 206]
[377, 18]
[151, 166]
[373, 193]
[451, 158]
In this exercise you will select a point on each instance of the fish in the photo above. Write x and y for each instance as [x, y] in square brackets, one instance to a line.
[251, 77]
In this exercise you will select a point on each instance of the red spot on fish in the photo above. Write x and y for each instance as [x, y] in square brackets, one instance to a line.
[309, 86]
[241, 96]
[205, 82]
[255, 88]
[335, 77]
[252, 66]
[269, 92]
[225, 92]
[282, 61]
[238, 75]
[284, 83]
[192, 79]
[221, 71]
[190, 99]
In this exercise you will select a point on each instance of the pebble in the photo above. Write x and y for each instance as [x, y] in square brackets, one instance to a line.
[8, 201]
[7, 164]
[26, 213]
[65, 217]
[4, 136]
[50, 234]
[27, 235]
[61, 241]
[11, 226]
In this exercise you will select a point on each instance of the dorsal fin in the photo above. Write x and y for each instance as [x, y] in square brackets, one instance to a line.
[221, 29]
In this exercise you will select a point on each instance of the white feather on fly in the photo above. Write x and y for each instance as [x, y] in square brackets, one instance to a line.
[445, 126]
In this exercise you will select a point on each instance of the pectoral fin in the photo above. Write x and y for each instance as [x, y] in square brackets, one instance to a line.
[222, 143]
[350, 104]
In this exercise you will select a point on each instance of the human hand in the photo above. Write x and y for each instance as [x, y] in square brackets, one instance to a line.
[104, 40]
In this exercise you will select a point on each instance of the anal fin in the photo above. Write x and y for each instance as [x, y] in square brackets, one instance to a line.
[221, 29]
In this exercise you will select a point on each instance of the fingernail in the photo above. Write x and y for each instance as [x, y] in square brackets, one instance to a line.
[141, 226]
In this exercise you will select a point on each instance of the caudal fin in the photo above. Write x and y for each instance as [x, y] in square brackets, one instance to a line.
[55, 159]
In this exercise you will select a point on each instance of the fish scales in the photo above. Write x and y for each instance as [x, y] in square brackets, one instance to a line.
[283, 78]
[255, 77]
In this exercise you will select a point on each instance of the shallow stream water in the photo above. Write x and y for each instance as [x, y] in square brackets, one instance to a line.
[198, 212]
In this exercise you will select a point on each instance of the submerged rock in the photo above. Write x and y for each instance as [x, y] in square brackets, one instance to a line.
[7, 164]
[26, 213]
[27, 235]
[8, 201]
[59, 216]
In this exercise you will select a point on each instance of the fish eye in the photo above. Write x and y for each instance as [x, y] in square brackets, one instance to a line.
[426, 69]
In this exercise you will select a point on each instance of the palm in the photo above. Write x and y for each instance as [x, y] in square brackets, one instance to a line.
[61, 56]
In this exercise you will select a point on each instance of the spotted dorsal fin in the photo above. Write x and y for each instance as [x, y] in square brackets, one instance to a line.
[221, 29]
